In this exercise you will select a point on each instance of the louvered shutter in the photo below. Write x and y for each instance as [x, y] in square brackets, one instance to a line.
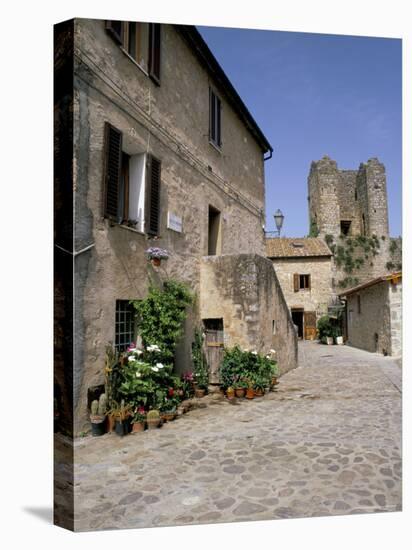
[218, 119]
[296, 282]
[153, 178]
[154, 52]
[112, 173]
[115, 29]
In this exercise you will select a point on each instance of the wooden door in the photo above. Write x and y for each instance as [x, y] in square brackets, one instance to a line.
[310, 325]
[214, 353]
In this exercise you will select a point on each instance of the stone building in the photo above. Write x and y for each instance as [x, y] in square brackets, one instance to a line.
[303, 268]
[374, 315]
[349, 209]
[165, 153]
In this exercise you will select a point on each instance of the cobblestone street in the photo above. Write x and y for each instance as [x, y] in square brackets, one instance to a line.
[327, 442]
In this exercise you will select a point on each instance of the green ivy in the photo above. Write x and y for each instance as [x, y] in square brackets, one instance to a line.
[161, 315]
[313, 230]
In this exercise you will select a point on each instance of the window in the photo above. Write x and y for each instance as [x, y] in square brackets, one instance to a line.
[345, 227]
[136, 42]
[131, 186]
[141, 41]
[215, 107]
[359, 304]
[301, 282]
[214, 237]
[124, 324]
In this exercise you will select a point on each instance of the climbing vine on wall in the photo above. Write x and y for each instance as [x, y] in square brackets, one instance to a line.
[351, 253]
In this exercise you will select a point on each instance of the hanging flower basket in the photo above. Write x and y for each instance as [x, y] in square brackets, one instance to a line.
[156, 255]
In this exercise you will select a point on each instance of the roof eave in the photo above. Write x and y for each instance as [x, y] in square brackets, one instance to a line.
[202, 51]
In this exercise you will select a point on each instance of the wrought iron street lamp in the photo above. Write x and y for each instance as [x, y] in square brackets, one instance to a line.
[279, 217]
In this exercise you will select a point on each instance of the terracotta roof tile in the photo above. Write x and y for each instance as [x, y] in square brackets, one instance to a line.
[282, 247]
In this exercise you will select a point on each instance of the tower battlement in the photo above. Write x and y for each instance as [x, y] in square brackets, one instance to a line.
[348, 202]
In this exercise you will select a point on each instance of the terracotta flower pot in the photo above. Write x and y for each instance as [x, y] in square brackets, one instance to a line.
[240, 392]
[250, 394]
[168, 416]
[138, 427]
[259, 392]
[156, 261]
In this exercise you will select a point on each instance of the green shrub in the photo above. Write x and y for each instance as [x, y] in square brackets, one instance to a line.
[324, 327]
[243, 367]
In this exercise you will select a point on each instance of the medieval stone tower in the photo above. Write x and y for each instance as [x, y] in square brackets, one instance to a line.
[349, 210]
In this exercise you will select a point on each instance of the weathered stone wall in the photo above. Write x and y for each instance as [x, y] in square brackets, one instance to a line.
[395, 304]
[170, 122]
[318, 297]
[323, 184]
[374, 319]
[244, 291]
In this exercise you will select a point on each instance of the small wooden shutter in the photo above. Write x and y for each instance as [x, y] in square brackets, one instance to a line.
[218, 118]
[296, 282]
[309, 281]
[153, 178]
[154, 52]
[112, 172]
[115, 29]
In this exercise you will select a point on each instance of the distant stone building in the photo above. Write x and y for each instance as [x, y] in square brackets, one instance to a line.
[374, 315]
[349, 210]
[304, 270]
[154, 147]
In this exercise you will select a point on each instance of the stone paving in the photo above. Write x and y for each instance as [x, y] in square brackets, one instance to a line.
[327, 442]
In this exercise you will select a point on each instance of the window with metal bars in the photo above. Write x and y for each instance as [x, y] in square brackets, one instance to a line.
[124, 324]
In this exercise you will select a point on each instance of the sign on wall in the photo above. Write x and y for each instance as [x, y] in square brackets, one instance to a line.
[174, 222]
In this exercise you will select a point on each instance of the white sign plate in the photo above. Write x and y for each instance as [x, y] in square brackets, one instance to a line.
[174, 222]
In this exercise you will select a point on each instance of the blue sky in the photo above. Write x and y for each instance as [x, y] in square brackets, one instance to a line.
[314, 95]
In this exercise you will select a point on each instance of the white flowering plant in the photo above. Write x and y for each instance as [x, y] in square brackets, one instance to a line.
[158, 253]
[144, 379]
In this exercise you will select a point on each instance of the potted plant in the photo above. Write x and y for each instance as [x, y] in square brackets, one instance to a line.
[325, 330]
[338, 336]
[274, 373]
[156, 255]
[98, 415]
[121, 414]
[153, 419]
[240, 388]
[230, 392]
[259, 385]
[250, 393]
[139, 420]
[169, 414]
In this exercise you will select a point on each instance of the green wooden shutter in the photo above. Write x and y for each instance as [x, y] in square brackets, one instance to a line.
[154, 52]
[152, 207]
[112, 171]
